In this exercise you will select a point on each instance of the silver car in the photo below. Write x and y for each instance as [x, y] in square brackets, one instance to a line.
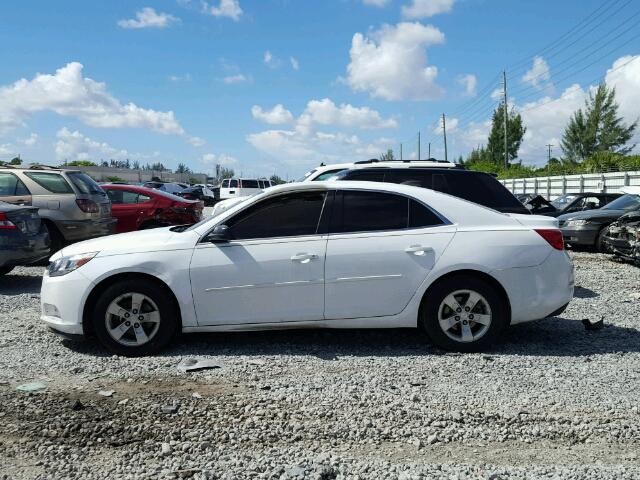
[72, 205]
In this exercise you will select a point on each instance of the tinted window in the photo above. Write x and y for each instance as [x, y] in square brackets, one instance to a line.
[479, 188]
[233, 183]
[52, 182]
[10, 185]
[84, 183]
[225, 183]
[283, 216]
[369, 211]
[250, 184]
[421, 216]
[416, 178]
[628, 202]
[365, 175]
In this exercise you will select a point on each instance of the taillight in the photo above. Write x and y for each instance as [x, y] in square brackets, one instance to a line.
[5, 223]
[552, 236]
[88, 206]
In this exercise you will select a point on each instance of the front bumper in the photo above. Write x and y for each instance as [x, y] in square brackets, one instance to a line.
[76, 230]
[580, 236]
[62, 300]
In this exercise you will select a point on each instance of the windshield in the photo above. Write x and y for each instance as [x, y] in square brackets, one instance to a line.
[307, 175]
[626, 202]
[84, 183]
[563, 200]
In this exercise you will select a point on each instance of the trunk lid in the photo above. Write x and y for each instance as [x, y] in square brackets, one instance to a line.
[88, 189]
[25, 218]
[535, 221]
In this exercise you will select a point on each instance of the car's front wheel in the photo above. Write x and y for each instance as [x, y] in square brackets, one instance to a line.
[463, 313]
[135, 318]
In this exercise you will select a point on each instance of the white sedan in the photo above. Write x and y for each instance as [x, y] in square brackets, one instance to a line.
[331, 255]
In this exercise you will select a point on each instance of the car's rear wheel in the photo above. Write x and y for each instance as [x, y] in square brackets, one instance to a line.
[464, 313]
[5, 270]
[134, 318]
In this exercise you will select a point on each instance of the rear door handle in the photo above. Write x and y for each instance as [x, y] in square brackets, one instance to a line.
[303, 257]
[418, 250]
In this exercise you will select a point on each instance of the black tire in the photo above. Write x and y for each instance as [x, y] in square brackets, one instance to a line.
[600, 246]
[56, 240]
[5, 270]
[429, 313]
[168, 317]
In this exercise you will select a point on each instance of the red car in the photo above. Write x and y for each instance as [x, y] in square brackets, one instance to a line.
[138, 208]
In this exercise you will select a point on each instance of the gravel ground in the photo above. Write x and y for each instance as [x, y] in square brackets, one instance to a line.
[552, 401]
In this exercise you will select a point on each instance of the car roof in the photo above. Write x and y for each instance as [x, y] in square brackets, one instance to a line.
[43, 168]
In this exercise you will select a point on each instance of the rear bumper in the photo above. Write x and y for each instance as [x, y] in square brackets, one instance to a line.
[21, 249]
[540, 291]
[579, 236]
[75, 230]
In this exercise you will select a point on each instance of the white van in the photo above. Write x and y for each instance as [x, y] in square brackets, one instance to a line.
[242, 187]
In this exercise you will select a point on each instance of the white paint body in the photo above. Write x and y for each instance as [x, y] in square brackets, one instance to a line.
[352, 280]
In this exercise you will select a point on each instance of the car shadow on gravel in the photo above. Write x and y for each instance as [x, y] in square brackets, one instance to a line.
[551, 337]
[20, 284]
[582, 292]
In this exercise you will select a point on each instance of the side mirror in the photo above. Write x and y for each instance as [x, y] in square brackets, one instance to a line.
[219, 234]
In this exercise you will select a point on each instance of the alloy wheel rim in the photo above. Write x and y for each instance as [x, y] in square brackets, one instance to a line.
[464, 316]
[132, 319]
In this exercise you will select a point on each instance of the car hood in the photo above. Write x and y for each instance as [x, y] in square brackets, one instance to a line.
[156, 239]
[592, 215]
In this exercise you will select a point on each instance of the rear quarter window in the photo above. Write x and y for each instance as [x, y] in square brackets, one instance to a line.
[250, 184]
[52, 182]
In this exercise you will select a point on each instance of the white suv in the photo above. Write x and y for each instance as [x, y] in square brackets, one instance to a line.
[242, 187]
[325, 172]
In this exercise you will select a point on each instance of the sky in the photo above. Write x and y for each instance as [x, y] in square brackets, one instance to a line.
[278, 86]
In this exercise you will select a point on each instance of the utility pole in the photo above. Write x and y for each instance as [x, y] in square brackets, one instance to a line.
[418, 145]
[400, 151]
[506, 112]
[429, 150]
[444, 132]
[549, 154]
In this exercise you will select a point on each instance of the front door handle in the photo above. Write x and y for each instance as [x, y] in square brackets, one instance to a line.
[418, 250]
[303, 257]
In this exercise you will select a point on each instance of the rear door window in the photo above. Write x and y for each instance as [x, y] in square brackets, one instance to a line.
[233, 183]
[250, 184]
[365, 175]
[11, 185]
[357, 211]
[84, 183]
[52, 182]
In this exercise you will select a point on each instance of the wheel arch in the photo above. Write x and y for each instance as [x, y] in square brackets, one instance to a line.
[105, 283]
[469, 273]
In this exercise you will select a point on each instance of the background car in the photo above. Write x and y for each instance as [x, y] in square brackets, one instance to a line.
[478, 187]
[140, 208]
[241, 187]
[623, 237]
[198, 192]
[169, 187]
[589, 228]
[310, 255]
[570, 202]
[71, 204]
[24, 239]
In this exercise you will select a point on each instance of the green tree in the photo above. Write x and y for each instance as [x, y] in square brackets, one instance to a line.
[515, 133]
[388, 156]
[15, 161]
[598, 128]
[223, 172]
[81, 163]
[276, 180]
[182, 168]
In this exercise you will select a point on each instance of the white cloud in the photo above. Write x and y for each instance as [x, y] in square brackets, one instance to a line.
[222, 159]
[426, 8]
[270, 60]
[391, 63]
[6, 150]
[180, 78]
[626, 80]
[196, 141]
[226, 8]
[376, 3]
[30, 141]
[73, 145]
[276, 116]
[294, 63]
[325, 112]
[237, 78]
[469, 82]
[69, 93]
[539, 73]
[149, 18]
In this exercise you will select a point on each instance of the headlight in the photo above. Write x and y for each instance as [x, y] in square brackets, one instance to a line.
[576, 223]
[64, 265]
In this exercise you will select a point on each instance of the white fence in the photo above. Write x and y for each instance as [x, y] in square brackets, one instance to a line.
[553, 187]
